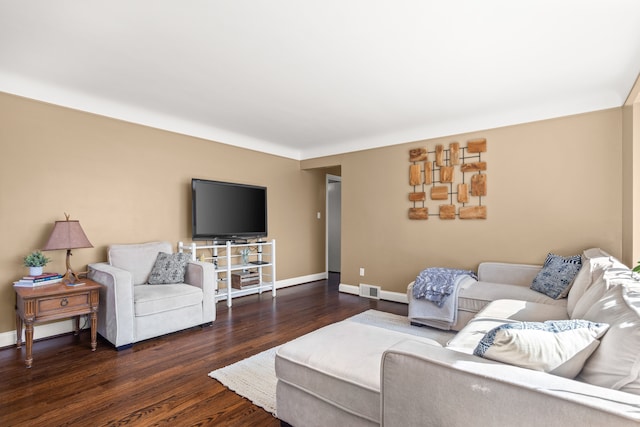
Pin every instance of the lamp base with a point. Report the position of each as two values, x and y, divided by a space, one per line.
70 278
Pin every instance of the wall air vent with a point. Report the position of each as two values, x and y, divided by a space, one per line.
369 291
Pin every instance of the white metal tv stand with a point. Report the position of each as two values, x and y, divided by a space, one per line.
236 275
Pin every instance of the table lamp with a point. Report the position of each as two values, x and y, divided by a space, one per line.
67 235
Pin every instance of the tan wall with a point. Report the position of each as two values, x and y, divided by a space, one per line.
553 185
130 183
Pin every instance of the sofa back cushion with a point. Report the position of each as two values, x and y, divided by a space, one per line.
616 362
508 273
606 278
594 260
138 259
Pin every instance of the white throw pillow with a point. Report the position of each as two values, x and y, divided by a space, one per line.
616 363
559 347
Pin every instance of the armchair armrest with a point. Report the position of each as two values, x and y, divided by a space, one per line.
508 273
116 314
202 275
422 384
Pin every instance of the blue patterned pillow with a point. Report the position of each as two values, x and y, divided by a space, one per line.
560 347
557 274
169 268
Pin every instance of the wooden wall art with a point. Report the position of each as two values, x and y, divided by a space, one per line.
448 182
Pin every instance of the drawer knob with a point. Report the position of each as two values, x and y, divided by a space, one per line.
64 302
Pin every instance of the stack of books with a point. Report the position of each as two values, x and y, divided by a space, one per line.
43 279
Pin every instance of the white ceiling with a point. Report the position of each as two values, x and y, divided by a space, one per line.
303 78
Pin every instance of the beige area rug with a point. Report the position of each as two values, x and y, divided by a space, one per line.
255 377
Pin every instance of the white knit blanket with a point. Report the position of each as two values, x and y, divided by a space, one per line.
427 313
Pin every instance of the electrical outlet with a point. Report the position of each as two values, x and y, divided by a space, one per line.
318 215
362 271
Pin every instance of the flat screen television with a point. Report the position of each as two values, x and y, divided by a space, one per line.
227 211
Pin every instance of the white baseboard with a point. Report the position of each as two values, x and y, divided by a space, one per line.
349 289
394 296
385 295
300 280
8 338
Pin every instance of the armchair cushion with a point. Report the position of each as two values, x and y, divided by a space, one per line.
152 299
168 268
137 258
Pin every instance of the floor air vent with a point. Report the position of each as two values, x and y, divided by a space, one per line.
369 291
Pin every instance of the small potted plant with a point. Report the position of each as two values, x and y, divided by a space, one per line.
35 261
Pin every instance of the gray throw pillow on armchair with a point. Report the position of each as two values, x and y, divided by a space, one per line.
169 268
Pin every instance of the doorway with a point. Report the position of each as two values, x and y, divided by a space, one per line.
333 215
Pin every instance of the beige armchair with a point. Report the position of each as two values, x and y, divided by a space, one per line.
132 310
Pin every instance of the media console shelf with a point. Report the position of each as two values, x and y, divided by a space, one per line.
236 278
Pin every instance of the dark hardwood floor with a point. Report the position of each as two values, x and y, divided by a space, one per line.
164 381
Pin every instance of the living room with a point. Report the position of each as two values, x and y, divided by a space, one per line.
561 183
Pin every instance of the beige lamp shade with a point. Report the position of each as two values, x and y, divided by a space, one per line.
67 235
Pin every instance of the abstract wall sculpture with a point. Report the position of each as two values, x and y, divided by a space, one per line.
448 182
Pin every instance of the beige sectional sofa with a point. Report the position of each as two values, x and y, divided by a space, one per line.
356 374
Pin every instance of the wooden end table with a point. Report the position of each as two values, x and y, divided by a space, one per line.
54 302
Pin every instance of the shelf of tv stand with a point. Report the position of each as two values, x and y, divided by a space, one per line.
250 266
227 264
221 293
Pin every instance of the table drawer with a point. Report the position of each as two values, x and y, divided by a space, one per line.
49 306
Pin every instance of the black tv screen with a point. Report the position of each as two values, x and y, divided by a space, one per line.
228 211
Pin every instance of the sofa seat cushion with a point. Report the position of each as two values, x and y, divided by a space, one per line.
340 364
475 298
500 312
152 299
523 311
